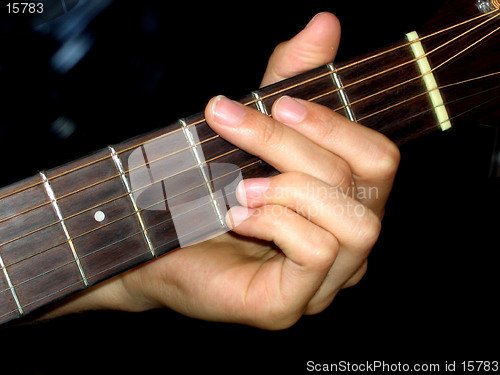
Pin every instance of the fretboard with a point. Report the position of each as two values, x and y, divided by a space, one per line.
71 227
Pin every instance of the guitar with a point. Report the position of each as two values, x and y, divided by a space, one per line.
73 226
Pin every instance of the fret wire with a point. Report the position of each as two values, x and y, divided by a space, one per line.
282 90
190 139
94 275
260 98
313 99
407 63
123 177
414 60
11 287
104 247
381 54
91 186
102 203
133 213
425 93
400 103
342 94
128 215
449 85
200 121
100 182
136 256
130 235
55 206
488 14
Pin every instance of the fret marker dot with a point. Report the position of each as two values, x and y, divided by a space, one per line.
99 216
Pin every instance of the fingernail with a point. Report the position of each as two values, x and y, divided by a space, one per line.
251 189
236 215
312 20
289 111
227 112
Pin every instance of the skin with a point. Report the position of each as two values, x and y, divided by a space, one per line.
298 238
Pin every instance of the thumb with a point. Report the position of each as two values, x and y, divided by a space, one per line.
315 45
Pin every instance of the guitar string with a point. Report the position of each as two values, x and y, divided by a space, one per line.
418 77
107 269
269 95
78 282
129 259
196 166
200 185
206 140
328 73
489 14
384 71
170 219
440 88
123 195
116 242
130 235
192 124
468 80
408 62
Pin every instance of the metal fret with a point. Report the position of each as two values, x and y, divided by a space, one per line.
11 287
259 103
55 206
342 94
123 177
200 160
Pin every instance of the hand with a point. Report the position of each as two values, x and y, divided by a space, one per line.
301 236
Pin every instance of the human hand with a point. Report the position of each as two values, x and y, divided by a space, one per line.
304 235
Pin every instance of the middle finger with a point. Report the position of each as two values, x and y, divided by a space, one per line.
281 146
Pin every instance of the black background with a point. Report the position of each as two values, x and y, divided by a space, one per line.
431 290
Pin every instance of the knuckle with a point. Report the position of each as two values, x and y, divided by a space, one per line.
340 175
368 231
280 48
324 250
270 135
387 162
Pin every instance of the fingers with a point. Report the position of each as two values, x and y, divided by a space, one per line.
372 158
308 253
279 145
306 245
314 225
353 224
316 45
307 137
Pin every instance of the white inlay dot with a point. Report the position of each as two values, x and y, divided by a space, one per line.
99 216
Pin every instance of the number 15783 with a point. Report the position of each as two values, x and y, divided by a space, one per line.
24 8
